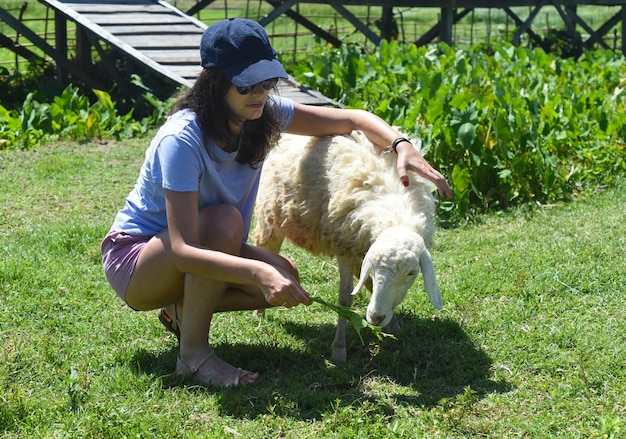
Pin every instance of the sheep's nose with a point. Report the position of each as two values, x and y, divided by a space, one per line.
376 319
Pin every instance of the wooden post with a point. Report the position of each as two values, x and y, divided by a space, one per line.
572 11
60 36
386 23
447 21
624 30
83 48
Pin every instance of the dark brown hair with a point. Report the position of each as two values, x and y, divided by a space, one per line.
207 99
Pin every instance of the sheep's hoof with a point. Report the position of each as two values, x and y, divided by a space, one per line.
393 327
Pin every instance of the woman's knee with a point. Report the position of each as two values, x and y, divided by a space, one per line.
268 256
289 266
221 228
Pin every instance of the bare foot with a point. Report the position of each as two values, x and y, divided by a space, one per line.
212 370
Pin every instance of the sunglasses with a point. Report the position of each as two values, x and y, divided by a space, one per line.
268 84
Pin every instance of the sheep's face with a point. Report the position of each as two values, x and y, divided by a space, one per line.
390 285
392 263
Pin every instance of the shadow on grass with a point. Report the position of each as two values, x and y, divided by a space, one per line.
431 360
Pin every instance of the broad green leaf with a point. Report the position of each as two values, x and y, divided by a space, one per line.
466 135
355 320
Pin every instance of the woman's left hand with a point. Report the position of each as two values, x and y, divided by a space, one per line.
409 159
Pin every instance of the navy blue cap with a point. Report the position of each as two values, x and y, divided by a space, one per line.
241 50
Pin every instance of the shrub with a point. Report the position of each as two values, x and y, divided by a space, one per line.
71 115
511 127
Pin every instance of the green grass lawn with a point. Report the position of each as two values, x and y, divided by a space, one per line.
531 341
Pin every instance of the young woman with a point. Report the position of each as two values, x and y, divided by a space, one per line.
179 243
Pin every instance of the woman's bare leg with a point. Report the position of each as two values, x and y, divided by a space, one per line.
157 283
201 300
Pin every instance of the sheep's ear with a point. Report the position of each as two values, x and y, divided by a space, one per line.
366 268
430 281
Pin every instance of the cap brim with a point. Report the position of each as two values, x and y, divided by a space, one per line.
244 75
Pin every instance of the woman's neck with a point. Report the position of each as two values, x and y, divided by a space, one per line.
232 143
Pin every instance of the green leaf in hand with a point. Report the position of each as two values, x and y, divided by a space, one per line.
357 322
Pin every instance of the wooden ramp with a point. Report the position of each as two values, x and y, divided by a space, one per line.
152 33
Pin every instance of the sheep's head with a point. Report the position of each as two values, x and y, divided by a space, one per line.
393 261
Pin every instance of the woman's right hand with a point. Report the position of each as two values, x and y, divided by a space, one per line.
281 289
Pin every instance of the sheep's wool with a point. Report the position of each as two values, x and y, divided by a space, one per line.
339 196
334 195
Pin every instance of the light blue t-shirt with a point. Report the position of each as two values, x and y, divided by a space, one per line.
179 160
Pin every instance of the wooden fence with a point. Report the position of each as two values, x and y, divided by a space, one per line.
481 25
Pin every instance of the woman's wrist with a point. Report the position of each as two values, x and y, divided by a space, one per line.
396 142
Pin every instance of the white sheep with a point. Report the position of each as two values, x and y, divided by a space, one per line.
340 196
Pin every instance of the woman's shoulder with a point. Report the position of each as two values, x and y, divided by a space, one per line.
182 118
281 102
284 108
180 123
180 128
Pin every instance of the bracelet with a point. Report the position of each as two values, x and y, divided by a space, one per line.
394 144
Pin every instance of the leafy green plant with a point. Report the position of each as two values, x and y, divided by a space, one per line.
508 127
71 115
511 127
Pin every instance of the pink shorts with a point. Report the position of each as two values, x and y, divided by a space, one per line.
119 256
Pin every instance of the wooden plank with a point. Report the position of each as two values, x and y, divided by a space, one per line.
17 48
201 4
286 88
525 27
174 56
123 6
199 23
188 72
129 29
108 8
290 88
111 2
155 41
164 42
519 22
114 41
133 18
306 98
356 22
304 22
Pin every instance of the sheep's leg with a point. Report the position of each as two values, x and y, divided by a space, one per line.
273 241
338 348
